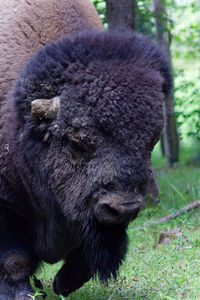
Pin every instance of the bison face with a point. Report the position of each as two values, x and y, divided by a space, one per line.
98 168
89 111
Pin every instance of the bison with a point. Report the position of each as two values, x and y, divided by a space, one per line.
76 144
76 140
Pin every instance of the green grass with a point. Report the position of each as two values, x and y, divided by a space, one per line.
166 272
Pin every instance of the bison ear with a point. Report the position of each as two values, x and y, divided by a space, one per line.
45 108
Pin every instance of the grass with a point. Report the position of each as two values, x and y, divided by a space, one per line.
166 272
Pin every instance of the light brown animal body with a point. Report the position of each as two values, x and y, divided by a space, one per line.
27 25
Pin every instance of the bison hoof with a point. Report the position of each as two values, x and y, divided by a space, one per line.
60 290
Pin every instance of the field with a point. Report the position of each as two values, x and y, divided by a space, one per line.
152 270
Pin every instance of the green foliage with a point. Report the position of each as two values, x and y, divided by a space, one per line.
186 31
186 58
101 8
144 18
187 91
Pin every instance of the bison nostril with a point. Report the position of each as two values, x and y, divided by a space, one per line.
110 210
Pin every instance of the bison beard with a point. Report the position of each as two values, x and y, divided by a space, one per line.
104 248
72 180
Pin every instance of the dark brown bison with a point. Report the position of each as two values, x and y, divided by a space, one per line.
76 145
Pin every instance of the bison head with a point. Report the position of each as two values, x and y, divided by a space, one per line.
89 111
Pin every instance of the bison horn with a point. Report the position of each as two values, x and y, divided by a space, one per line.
45 108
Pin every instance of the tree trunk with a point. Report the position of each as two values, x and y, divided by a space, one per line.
120 14
152 190
170 140
170 135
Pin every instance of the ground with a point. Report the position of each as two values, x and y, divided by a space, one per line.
170 271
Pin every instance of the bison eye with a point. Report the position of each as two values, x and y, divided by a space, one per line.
75 144
78 146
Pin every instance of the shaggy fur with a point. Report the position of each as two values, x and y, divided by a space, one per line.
111 88
28 25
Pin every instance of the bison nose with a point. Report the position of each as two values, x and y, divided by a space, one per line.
113 210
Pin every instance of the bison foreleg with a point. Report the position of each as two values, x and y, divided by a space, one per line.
72 275
17 260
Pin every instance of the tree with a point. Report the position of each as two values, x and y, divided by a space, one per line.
120 14
169 141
